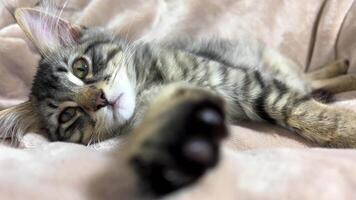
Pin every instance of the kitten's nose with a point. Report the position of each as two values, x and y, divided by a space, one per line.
101 100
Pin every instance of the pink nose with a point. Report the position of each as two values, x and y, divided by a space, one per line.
101 100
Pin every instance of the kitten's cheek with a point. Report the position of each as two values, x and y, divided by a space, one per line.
127 107
76 137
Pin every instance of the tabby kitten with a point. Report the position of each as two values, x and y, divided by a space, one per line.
91 85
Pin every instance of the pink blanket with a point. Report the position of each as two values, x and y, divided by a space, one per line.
265 162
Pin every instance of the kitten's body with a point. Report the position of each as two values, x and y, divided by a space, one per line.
261 85
217 65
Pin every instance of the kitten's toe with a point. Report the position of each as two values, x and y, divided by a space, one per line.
183 148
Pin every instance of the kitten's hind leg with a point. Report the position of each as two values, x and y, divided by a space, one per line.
336 85
174 146
317 122
331 79
328 126
275 102
331 70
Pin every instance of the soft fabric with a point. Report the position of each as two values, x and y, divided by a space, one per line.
265 162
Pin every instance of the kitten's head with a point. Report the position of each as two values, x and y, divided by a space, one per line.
84 87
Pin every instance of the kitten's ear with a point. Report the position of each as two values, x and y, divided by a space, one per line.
18 120
47 32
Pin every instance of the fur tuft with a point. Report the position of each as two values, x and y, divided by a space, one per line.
18 120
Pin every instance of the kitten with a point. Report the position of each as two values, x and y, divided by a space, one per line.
91 85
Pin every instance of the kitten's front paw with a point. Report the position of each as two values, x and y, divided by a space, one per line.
180 144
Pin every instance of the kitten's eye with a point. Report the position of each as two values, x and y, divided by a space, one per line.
67 114
80 68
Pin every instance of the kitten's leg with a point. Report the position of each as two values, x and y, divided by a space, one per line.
294 108
177 142
333 78
323 124
332 70
330 79
257 97
336 85
313 120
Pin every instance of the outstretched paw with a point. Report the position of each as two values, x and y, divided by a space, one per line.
180 143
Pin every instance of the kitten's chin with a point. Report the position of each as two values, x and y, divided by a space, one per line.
123 108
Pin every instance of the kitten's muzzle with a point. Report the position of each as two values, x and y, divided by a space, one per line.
92 99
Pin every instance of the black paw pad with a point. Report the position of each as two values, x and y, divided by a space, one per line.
186 146
198 151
